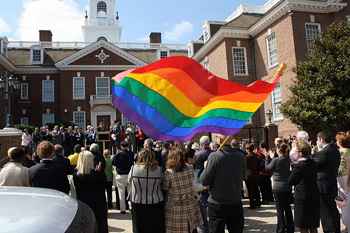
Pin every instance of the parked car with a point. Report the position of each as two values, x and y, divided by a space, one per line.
36 210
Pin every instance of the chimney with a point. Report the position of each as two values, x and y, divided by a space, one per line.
45 36
155 38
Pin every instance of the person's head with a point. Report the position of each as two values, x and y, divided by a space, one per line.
45 150
176 159
147 158
283 150
263 146
303 148
302 135
59 150
343 140
94 148
77 148
250 148
204 142
16 154
124 145
195 146
148 144
189 155
166 146
106 153
85 163
214 146
278 142
323 138
235 143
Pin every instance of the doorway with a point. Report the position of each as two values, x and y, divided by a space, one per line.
103 122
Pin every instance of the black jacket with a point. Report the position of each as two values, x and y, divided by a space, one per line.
90 189
64 163
328 161
199 159
47 174
123 162
303 177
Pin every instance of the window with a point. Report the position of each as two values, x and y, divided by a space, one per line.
24 91
272 55
312 33
48 118
79 119
190 50
206 35
276 103
239 57
78 88
48 91
163 54
101 6
37 56
24 121
102 87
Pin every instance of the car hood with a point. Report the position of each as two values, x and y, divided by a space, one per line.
35 210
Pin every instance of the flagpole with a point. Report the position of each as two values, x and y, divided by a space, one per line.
224 142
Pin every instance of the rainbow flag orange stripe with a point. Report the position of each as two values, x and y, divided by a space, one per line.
176 98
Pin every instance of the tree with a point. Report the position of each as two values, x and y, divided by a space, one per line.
321 94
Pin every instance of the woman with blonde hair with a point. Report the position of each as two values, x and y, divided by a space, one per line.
90 188
146 196
182 213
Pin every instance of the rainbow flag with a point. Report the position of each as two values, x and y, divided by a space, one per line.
176 98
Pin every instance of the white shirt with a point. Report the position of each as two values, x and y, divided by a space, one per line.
26 139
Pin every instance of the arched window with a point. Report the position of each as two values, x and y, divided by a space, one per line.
101 6
102 38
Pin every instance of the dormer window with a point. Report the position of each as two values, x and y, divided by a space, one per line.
163 54
101 8
190 50
37 55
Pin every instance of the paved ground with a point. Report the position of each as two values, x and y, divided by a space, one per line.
262 220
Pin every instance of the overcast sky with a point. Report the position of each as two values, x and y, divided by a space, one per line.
179 20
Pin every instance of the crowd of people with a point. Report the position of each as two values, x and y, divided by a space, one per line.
190 187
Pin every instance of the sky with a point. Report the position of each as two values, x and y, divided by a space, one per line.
180 21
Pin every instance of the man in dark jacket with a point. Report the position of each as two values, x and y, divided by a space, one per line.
62 161
47 174
328 160
223 175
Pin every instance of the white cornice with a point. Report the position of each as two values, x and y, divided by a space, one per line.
98 67
4 61
36 70
282 9
217 38
94 46
295 6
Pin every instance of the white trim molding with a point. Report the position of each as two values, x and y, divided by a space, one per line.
98 67
223 33
65 63
245 62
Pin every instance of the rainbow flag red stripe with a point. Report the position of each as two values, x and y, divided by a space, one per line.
176 98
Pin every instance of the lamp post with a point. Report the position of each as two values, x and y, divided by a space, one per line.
269 114
9 84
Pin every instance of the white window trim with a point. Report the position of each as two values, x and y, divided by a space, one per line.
163 50
274 118
312 24
245 62
109 87
24 97
74 94
42 91
41 55
271 66
206 29
74 120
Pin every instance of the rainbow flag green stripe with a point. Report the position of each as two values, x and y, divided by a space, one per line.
175 98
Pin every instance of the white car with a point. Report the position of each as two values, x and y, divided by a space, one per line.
36 210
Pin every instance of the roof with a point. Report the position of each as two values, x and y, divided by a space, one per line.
244 21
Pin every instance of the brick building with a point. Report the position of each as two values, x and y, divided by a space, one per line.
71 81
251 43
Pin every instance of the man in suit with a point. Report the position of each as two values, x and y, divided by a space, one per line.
328 160
47 173
62 161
